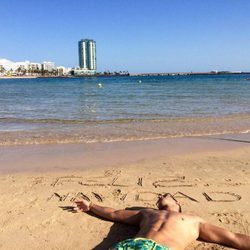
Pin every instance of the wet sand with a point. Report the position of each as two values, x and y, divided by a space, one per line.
209 176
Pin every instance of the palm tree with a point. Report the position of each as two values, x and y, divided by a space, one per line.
2 69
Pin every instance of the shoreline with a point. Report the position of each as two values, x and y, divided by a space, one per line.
18 77
60 131
133 75
79 156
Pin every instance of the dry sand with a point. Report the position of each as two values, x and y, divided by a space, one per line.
211 178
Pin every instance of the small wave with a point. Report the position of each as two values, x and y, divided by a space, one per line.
55 131
31 121
36 140
245 132
147 118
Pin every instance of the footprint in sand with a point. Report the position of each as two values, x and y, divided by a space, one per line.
235 219
230 182
36 181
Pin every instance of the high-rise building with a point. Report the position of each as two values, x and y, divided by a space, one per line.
87 54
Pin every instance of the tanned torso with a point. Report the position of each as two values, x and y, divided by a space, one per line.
171 229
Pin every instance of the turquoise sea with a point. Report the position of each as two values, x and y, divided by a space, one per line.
66 110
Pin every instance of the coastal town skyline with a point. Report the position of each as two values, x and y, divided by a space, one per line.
87 64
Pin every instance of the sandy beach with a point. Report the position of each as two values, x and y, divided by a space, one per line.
209 176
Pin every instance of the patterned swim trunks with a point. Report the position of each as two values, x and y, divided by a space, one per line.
138 244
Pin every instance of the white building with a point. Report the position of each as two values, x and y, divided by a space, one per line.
7 64
62 71
48 66
82 72
15 66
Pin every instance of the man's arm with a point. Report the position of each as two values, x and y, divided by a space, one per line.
131 217
213 234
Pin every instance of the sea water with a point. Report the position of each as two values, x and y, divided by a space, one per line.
69 110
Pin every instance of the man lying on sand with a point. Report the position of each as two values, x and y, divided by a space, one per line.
166 228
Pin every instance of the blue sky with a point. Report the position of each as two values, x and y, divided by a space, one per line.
134 35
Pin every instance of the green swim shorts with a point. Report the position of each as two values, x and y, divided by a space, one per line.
138 244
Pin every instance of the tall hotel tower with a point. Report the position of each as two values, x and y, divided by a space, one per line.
87 54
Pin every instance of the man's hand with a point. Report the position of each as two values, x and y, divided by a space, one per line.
131 217
83 205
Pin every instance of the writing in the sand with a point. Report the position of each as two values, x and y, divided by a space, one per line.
116 181
120 190
145 196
